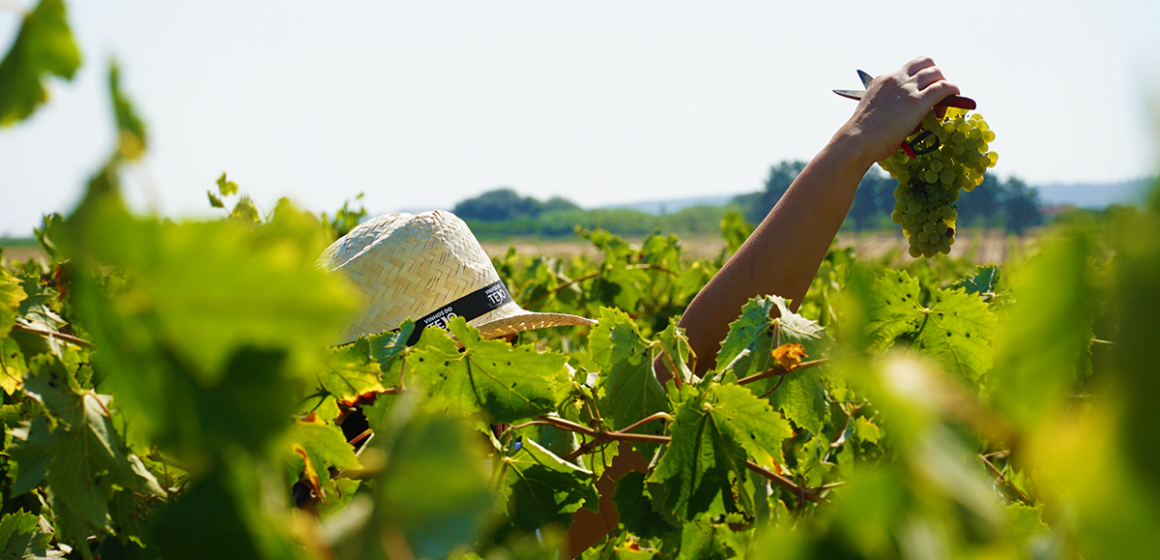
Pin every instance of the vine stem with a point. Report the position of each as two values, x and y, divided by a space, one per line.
594 275
49 334
646 420
1007 483
599 437
778 370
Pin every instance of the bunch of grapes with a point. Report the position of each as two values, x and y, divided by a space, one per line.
930 184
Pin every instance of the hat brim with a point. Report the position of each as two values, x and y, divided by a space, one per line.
527 321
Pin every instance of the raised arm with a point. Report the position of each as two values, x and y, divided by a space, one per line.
784 252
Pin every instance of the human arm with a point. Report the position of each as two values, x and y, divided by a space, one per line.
784 252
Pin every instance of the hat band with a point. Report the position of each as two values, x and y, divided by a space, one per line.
473 305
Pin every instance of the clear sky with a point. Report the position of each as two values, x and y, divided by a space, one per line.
422 104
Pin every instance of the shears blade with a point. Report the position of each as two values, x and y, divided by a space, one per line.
866 79
855 94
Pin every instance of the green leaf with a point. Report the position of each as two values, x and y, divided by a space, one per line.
132 139
1023 523
435 488
759 333
12 365
958 332
677 352
44 46
31 450
631 390
892 309
246 211
542 489
956 329
350 371
226 187
11 295
705 540
508 383
636 510
801 396
743 332
21 538
214 201
313 447
982 282
695 468
749 421
87 454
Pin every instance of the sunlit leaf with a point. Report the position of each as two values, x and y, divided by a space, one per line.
44 46
508 383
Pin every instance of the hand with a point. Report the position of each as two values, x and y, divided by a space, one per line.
894 104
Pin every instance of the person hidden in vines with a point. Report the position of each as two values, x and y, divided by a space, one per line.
430 267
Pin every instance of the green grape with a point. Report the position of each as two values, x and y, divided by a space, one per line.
896 217
923 236
936 165
941 227
928 227
908 219
914 251
930 176
914 206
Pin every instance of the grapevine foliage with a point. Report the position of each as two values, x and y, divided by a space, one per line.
172 390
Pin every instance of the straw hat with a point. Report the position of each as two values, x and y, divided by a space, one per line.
428 267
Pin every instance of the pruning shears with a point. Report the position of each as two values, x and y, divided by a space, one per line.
926 142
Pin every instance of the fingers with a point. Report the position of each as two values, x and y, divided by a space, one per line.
928 76
938 91
920 63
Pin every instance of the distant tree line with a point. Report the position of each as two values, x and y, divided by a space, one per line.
503 212
996 203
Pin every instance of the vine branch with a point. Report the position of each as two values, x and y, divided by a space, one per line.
778 370
50 334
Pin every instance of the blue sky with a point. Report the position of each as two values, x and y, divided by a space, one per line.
422 104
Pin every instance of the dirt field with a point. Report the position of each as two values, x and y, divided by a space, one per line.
979 246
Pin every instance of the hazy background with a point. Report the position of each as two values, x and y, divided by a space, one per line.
422 104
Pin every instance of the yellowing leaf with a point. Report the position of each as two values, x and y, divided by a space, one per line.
789 356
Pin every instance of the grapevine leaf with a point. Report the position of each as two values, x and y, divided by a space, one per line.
677 352
1056 305
507 383
317 447
31 449
867 431
631 389
246 211
37 310
982 282
542 489
230 525
225 186
705 540
750 421
802 397
696 465
44 45
635 508
11 295
794 328
21 538
893 309
745 330
350 371
389 345
132 138
955 330
600 337
957 333
214 201
87 457
1023 523
435 488
12 365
